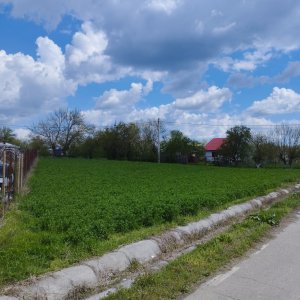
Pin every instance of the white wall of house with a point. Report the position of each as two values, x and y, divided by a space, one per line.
209 156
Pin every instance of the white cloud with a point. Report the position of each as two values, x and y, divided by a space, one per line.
281 101
85 44
50 54
205 101
251 60
86 58
167 6
200 125
123 99
22 133
29 87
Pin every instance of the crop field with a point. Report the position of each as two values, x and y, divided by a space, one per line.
79 208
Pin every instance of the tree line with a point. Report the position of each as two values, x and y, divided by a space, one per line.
66 133
281 145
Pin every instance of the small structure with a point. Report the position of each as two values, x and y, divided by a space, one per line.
212 147
9 154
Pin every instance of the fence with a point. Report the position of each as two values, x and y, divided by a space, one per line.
14 167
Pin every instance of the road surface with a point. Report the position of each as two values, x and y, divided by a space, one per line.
272 273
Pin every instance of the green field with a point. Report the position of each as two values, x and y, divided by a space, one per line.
79 208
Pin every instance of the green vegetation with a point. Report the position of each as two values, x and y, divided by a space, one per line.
179 276
80 208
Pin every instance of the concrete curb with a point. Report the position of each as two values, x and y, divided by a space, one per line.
92 273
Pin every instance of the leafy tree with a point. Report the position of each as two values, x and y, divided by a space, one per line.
179 148
36 143
121 141
64 128
90 148
8 136
237 146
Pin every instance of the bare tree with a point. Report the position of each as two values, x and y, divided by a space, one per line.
287 140
63 127
263 149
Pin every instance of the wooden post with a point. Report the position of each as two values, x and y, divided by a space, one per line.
158 140
16 174
21 171
3 181
3 174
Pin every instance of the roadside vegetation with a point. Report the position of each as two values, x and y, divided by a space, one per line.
78 208
180 276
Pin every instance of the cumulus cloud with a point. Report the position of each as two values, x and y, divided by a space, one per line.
250 61
280 101
201 126
29 86
116 105
86 58
205 101
117 100
22 133
86 44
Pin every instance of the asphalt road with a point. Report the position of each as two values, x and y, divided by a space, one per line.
272 273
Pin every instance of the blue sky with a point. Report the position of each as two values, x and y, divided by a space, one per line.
201 66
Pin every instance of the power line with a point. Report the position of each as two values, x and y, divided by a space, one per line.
227 125
173 123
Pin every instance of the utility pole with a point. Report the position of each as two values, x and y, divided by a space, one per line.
158 140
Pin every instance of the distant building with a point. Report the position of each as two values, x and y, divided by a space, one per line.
212 147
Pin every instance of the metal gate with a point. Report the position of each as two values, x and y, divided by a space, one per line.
10 172
14 166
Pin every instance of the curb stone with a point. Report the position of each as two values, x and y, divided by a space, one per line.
92 273
142 251
108 265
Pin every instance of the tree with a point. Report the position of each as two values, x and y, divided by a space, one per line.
237 145
8 136
261 148
148 141
36 143
179 148
152 133
121 141
287 140
64 128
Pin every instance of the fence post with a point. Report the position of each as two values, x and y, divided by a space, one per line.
21 170
17 171
3 181
3 174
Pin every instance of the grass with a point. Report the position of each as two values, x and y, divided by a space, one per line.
78 208
181 275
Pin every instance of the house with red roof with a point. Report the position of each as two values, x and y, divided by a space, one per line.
212 147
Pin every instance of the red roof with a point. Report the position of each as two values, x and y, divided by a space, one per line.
214 144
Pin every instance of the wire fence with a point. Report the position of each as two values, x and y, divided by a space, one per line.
14 168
